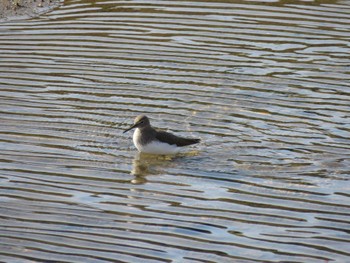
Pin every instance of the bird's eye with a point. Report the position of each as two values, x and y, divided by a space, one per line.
141 122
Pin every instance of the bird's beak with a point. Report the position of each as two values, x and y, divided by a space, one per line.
132 127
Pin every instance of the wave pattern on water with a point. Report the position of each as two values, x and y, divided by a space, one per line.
263 84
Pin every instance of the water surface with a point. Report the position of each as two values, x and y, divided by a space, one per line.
263 84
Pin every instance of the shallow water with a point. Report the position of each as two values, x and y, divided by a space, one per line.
265 85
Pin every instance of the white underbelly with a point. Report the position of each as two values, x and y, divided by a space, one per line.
154 147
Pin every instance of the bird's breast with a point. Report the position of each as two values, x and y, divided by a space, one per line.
136 138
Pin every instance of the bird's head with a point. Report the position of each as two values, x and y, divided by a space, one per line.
140 122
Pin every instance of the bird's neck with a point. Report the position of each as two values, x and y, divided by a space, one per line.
148 129
145 134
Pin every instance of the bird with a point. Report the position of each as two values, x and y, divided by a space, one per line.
149 140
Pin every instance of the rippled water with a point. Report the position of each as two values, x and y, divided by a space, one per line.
265 85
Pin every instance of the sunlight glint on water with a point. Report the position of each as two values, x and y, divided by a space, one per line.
263 84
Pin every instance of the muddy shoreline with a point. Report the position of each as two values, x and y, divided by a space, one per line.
24 9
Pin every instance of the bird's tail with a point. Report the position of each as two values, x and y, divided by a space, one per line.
186 141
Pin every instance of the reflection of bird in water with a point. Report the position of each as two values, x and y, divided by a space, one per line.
139 168
140 171
144 164
149 164
149 140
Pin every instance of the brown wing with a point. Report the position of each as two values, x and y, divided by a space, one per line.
173 139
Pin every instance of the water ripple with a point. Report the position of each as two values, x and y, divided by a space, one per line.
263 84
